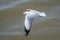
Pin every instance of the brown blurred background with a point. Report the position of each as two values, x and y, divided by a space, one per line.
44 28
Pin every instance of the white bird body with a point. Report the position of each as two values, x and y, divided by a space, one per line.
30 16
29 19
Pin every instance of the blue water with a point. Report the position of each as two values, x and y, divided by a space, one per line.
5 4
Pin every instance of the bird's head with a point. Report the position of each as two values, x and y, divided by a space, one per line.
27 11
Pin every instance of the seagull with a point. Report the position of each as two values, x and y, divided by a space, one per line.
30 15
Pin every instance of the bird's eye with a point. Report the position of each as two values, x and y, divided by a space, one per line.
28 10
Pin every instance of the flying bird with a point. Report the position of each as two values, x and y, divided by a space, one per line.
30 15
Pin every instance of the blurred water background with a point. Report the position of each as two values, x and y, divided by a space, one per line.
44 28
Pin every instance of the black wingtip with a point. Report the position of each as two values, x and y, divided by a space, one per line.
27 32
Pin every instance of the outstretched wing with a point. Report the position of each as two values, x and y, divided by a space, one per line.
28 23
27 27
